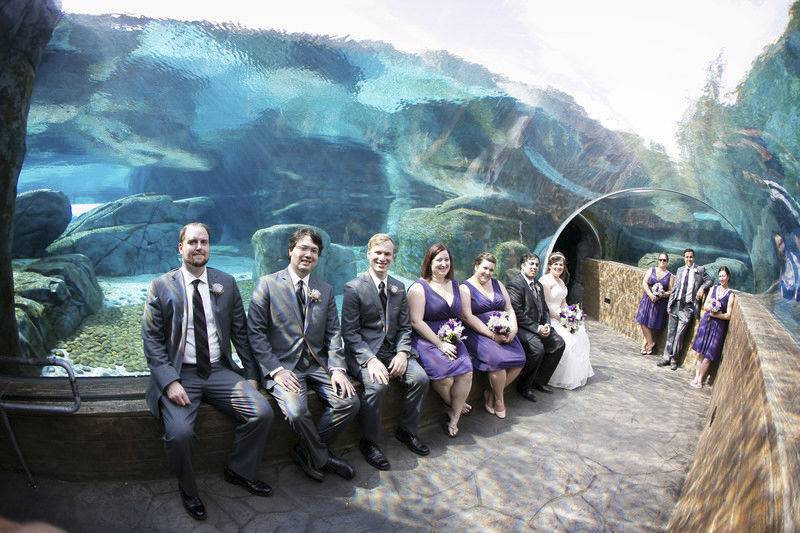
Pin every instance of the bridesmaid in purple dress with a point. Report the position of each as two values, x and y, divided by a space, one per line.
652 313
713 326
500 354
432 301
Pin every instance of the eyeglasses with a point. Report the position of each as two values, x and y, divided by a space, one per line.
661 259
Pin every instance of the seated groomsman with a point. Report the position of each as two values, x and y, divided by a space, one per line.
543 346
191 316
294 333
377 339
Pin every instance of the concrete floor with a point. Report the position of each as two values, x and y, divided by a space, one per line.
608 457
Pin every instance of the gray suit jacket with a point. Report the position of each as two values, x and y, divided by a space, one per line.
363 327
275 329
531 311
164 329
701 279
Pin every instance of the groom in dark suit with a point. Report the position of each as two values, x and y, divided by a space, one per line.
377 338
692 282
191 316
543 346
294 332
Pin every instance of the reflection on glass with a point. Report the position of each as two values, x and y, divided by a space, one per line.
143 125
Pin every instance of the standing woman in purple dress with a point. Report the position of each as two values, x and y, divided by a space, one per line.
713 326
497 351
434 302
651 316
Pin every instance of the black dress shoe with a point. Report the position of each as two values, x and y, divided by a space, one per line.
527 394
663 362
543 388
373 455
301 458
412 442
259 488
193 505
673 364
339 466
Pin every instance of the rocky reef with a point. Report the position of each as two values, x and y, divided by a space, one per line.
40 216
52 296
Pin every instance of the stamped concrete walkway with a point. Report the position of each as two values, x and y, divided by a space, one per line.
608 457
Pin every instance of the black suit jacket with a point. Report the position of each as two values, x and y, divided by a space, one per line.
363 327
164 329
531 312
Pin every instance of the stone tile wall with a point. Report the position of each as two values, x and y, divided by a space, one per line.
612 292
746 472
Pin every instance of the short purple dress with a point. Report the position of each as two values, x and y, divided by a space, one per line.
488 355
436 364
653 315
711 331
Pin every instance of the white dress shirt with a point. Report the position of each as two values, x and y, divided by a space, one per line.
189 355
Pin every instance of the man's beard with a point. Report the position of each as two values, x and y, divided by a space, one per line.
198 261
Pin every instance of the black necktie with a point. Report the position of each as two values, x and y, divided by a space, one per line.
384 298
201 350
301 300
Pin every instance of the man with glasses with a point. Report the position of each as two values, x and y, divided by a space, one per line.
691 283
293 327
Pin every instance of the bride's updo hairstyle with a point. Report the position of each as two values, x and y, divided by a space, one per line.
554 258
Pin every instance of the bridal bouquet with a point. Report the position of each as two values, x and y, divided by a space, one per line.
499 322
716 306
571 317
657 289
451 331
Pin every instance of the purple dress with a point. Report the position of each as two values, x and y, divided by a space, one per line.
711 332
436 364
653 315
488 355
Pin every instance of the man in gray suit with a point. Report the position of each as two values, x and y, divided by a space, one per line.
294 332
683 305
377 339
190 318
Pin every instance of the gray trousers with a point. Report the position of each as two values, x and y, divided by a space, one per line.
416 383
677 325
294 405
233 395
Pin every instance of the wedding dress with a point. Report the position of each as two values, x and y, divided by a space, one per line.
574 368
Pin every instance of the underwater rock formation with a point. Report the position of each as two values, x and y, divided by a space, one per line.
136 234
468 225
52 296
40 216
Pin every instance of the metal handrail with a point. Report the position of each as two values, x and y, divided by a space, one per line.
22 407
51 360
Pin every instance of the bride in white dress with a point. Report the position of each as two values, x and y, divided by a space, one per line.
574 368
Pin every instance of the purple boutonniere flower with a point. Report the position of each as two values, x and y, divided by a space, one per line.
314 295
217 289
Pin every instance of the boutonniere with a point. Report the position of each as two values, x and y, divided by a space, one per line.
314 295
217 289
393 289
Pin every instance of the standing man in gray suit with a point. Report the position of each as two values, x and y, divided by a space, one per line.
294 332
191 316
683 305
377 339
